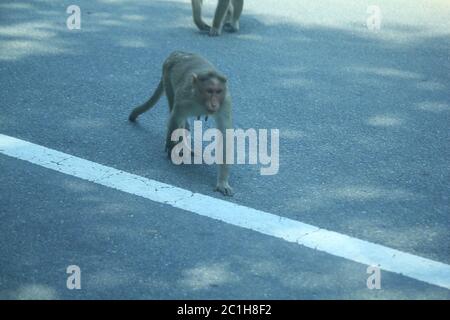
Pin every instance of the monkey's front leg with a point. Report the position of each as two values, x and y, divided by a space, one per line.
223 122
219 16
222 180
197 14
238 6
176 121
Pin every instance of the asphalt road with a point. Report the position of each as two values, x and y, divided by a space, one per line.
364 148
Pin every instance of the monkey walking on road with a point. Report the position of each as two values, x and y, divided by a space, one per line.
193 88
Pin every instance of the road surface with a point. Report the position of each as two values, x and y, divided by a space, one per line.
364 151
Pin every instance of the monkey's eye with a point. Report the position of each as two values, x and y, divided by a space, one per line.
219 91
210 91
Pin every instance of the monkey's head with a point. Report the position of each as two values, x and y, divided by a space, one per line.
211 89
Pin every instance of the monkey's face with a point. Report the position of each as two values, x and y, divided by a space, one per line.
211 92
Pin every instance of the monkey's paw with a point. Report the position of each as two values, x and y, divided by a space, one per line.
230 27
225 189
214 32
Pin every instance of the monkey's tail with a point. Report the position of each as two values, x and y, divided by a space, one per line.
148 104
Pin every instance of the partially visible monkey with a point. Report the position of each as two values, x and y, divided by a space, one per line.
193 88
227 16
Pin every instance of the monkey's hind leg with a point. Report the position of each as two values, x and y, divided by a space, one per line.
232 22
223 7
176 121
148 104
197 15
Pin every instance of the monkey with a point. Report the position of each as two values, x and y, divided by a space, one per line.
226 16
193 87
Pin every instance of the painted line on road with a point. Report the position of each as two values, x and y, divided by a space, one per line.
337 244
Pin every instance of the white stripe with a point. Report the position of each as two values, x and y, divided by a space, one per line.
341 245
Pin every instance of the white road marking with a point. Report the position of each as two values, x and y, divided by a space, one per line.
341 245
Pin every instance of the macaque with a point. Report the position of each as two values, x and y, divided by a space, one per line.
193 88
226 16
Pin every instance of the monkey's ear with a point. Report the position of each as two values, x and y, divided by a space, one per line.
222 78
